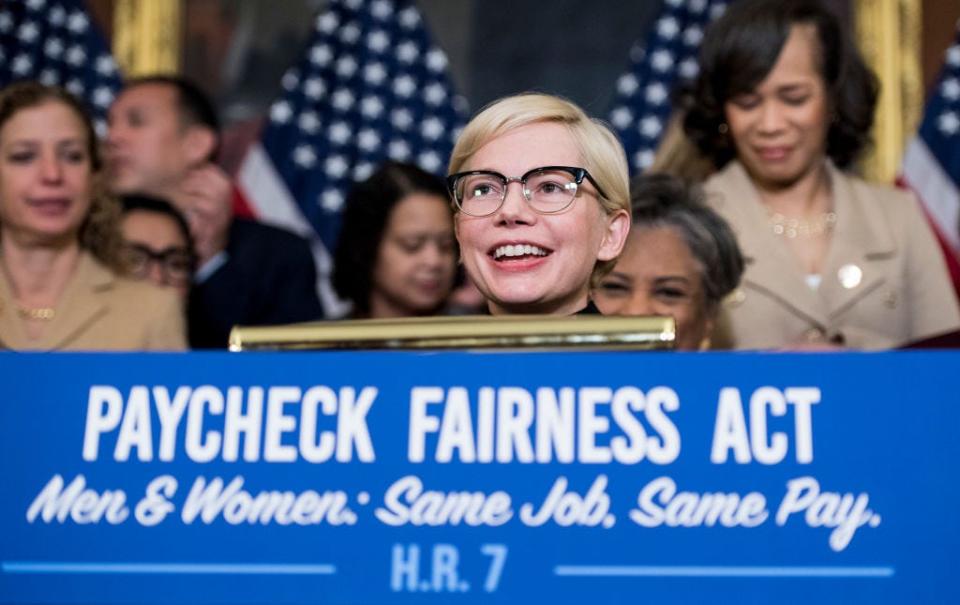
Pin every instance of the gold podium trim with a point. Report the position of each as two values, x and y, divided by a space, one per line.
471 332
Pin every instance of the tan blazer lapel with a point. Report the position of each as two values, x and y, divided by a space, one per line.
771 268
861 243
81 303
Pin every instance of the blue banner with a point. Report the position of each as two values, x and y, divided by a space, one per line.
390 478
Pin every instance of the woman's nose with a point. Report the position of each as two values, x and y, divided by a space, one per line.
771 117
156 274
52 168
515 208
433 255
639 304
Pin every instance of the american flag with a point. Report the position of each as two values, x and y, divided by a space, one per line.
56 43
370 86
665 58
931 165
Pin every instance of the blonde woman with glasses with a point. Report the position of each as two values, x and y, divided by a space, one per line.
543 205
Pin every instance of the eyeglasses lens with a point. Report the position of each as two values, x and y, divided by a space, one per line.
547 191
551 190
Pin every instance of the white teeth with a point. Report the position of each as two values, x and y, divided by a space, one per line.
518 250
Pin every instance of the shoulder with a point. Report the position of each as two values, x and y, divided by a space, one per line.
124 295
898 208
140 301
126 289
157 315
731 194
876 193
728 187
733 174
136 315
245 230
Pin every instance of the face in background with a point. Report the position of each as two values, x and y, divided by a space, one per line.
780 128
149 149
46 175
415 266
658 275
157 249
552 275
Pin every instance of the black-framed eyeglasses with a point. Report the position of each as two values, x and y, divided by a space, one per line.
548 189
176 263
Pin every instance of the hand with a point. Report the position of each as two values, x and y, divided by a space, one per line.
205 198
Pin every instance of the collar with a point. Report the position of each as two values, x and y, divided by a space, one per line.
590 309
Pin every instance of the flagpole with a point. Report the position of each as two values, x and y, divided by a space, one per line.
888 33
146 36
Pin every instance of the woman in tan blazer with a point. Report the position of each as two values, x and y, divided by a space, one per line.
61 284
782 104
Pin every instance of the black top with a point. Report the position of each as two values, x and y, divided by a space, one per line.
590 309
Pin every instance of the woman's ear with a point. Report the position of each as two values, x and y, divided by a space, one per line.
616 230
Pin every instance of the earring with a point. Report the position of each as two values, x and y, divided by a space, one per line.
723 128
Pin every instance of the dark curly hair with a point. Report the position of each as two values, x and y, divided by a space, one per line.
662 200
741 48
365 215
100 230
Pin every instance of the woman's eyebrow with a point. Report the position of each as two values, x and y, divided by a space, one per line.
794 86
681 278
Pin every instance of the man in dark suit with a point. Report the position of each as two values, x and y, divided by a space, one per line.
163 137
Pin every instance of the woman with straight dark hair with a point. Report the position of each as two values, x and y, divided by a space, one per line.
157 243
783 104
396 253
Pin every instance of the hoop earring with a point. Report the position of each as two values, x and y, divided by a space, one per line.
723 128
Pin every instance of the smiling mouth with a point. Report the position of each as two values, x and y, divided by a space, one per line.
518 252
774 153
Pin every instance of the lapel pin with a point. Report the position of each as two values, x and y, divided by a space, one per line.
850 276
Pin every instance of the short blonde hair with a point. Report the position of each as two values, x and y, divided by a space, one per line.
600 150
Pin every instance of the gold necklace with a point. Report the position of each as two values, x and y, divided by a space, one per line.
797 227
37 313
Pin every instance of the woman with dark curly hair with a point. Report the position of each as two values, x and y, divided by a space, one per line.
61 284
783 104
396 253
681 260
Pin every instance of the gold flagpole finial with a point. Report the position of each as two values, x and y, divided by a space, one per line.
146 36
